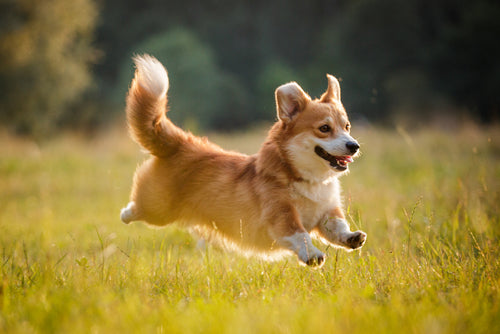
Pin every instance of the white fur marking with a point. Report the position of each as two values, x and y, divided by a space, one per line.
337 232
310 166
151 75
342 229
302 245
127 214
336 146
314 200
319 192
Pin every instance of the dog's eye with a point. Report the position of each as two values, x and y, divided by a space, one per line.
325 128
348 127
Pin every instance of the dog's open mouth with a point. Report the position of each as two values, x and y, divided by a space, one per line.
339 163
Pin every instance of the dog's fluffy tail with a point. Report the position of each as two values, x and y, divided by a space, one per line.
147 106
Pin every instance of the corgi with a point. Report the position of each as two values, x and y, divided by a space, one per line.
269 203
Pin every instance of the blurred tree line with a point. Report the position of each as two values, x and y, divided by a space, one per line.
68 63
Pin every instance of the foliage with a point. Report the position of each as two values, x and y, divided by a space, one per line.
45 53
409 60
428 201
464 61
396 59
199 91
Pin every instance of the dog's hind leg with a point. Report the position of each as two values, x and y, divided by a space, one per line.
129 213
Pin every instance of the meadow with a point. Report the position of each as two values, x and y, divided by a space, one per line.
429 200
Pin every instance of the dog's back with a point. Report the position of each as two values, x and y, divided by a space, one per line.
188 179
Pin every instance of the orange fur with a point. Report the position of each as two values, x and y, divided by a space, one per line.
266 202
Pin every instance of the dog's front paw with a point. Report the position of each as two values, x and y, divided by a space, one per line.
312 256
356 240
316 260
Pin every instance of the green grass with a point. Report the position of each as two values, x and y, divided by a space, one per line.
429 201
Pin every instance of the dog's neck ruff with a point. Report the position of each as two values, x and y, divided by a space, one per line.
320 193
292 173
295 176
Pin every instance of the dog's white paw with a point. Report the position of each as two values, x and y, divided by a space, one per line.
356 240
127 214
302 245
316 260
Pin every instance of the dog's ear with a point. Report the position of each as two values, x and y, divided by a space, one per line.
290 100
333 91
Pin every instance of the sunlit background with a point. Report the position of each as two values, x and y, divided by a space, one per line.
67 64
420 80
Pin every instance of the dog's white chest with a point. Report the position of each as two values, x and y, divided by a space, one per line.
314 200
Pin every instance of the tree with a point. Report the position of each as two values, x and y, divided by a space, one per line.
45 54
465 59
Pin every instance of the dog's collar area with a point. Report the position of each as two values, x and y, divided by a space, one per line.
339 163
290 170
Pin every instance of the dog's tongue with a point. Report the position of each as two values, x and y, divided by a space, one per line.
345 159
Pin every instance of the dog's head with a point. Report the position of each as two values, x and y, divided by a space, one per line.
316 133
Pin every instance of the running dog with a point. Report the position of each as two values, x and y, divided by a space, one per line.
265 203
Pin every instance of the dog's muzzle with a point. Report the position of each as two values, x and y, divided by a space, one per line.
337 162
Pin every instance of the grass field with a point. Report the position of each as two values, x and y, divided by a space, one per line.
429 201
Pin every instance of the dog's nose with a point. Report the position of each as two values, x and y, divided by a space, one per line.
352 146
